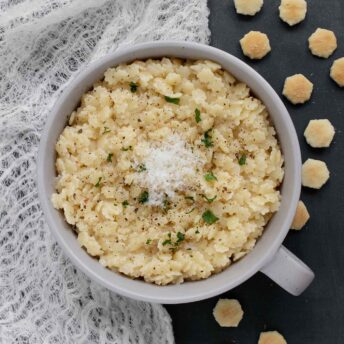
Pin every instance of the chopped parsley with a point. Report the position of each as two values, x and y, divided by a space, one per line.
207 139
167 242
148 241
180 237
141 168
106 130
144 197
209 200
109 157
172 100
209 217
189 212
125 204
98 182
242 160
133 86
210 176
126 149
197 115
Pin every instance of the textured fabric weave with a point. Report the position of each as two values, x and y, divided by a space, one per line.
43 44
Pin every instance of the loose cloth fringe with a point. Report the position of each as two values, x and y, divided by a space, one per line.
43 44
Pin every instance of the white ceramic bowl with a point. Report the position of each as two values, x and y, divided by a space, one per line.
267 256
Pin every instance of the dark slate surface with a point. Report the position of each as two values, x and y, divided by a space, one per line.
316 317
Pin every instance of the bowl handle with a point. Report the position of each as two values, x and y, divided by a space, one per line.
288 271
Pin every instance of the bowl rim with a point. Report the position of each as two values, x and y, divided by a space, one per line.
104 63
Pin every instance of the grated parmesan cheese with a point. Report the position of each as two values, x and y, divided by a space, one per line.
169 168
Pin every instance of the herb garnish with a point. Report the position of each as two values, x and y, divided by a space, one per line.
209 217
144 197
172 100
141 168
125 204
109 157
209 200
133 86
197 115
180 238
126 149
106 130
167 242
242 160
98 182
148 241
207 139
210 176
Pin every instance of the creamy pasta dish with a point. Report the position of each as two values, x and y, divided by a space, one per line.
169 170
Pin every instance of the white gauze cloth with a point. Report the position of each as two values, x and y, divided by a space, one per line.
43 44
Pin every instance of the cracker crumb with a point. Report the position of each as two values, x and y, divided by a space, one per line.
255 45
297 88
271 337
337 71
319 133
293 11
314 174
301 217
322 43
228 312
248 7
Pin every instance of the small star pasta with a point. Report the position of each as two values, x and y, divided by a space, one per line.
168 170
